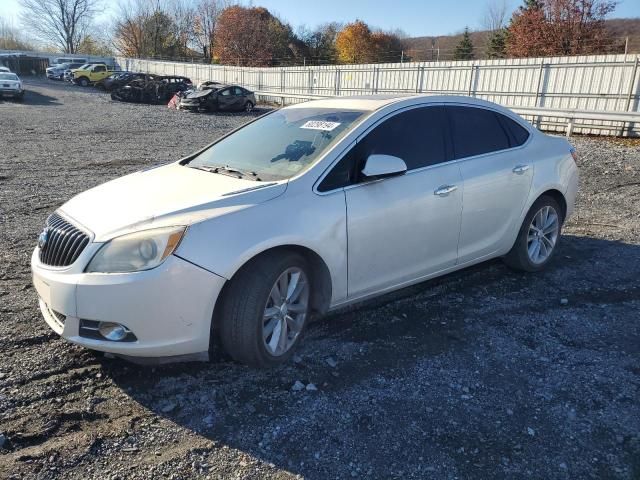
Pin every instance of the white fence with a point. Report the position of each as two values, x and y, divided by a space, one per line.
599 83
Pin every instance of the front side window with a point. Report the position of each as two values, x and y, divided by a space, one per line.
417 136
280 144
476 131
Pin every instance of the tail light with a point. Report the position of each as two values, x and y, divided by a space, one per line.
574 154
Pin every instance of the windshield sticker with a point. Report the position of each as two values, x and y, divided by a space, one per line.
320 125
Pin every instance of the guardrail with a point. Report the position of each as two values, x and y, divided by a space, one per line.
569 115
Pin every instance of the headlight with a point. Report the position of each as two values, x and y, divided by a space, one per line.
136 251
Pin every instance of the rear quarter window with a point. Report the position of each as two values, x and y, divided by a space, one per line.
476 131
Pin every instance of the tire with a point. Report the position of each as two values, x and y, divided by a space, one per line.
248 107
522 254
247 300
83 81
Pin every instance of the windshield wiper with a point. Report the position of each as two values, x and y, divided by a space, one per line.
229 171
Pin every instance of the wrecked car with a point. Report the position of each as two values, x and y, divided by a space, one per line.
213 97
151 89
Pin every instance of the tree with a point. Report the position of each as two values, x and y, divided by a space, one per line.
386 47
10 37
206 17
321 42
496 44
252 37
61 23
93 46
143 28
353 43
464 49
560 27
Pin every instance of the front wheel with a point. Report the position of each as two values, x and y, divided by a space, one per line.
83 82
538 237
265 309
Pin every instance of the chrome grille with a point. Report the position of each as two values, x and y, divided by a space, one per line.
64 242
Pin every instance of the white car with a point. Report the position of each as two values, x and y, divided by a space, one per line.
306 209
11 86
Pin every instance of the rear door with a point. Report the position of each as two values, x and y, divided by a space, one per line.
226 99
406 227
497 177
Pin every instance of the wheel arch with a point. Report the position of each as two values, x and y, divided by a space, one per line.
321 279
558 196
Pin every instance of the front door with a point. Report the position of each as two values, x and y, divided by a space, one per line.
403 228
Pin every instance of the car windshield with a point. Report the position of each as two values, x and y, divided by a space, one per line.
8 76
281 144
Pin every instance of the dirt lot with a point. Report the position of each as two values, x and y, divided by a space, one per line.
482 374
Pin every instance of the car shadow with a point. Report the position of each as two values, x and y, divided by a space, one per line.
32 97
358 356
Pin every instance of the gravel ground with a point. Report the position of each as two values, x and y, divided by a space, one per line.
481 374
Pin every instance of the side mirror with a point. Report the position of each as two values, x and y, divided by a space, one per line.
382 166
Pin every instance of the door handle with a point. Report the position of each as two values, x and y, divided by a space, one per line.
445 190
520 169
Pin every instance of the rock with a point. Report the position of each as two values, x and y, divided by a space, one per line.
297 386
531 431
331 362
564 301
311 387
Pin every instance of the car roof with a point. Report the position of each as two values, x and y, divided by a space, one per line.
376 102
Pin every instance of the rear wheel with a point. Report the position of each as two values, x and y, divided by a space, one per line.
265 309
538 236
248 107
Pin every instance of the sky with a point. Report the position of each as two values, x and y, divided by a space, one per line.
414 17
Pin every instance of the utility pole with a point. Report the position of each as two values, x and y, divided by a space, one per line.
402 57
626 45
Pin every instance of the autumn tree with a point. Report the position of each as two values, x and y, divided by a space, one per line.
353 43
560 27
252 36
59 23
464 49
356 43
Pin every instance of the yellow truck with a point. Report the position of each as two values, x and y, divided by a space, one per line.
96 72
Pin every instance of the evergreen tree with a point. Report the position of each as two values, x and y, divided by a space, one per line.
464 49
496 46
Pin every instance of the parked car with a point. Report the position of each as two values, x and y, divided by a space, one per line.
4 70
213 98
242 242
95 73
118 79
57 72
151 89
11 86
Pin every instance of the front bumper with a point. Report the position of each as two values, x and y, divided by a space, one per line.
10 92
168 308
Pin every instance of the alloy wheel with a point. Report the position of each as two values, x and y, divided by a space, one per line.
543 234
285 311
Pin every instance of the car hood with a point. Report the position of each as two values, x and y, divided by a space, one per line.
168 195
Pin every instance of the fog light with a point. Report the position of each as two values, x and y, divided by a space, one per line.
112 331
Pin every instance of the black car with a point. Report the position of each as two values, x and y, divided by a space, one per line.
216 97
120 79
151 89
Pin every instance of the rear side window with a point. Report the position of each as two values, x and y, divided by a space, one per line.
476 131
518 134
